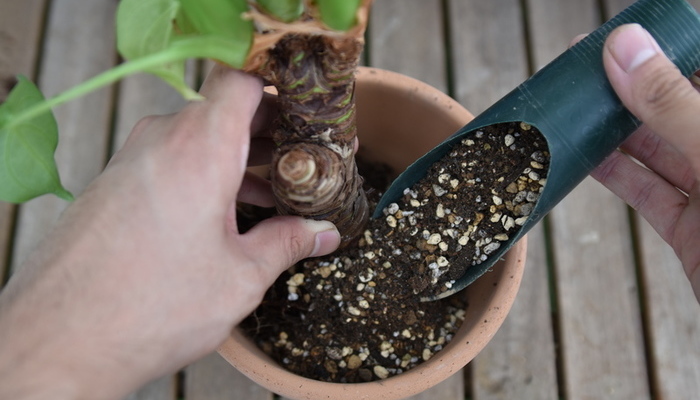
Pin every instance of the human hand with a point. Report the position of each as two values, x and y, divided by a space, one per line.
666 193
146 271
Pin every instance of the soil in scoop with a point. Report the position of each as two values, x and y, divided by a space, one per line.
356 315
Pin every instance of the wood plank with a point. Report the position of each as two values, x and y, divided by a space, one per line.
143 95
671 310
20 34
489 60
407 36
139 96
601 330
612 7
450 388
673 319
213 378
553 23
520 360
212 374
602 348
7 217
73 52
160 389
488 50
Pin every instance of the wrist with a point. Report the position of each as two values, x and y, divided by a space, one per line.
51 346
30 366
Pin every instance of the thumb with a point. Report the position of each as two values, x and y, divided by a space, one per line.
280 242
653 89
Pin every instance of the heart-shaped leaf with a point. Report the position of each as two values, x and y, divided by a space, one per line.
27 165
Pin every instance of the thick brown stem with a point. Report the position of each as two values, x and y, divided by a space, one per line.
314 173
313 181
313 68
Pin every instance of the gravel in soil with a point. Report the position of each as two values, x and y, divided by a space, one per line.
356 315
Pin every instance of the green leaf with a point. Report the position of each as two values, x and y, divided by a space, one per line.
338 14
210 46
145 27
27 165
284 10
183 23
28 131
147 37
222 18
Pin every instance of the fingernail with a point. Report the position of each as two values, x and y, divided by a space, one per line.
632 46
327 238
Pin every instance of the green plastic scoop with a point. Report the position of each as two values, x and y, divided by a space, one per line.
573 105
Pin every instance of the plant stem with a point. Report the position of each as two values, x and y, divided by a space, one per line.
195 47
314 172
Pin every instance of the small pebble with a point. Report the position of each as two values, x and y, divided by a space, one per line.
381 372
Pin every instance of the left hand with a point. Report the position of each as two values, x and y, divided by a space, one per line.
146 271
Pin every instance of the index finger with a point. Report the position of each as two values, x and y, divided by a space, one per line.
265 116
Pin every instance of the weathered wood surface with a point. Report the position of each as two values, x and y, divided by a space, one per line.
604 310
213 378
519 361
164 388
72 53
488 52
408 36
602 348
20 36
139 96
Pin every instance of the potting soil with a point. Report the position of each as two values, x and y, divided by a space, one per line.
356 315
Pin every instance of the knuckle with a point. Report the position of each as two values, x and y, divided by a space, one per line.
649 147
297 247
144 123
276 246
641 197
662 89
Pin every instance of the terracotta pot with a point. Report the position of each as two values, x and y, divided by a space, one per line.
400 119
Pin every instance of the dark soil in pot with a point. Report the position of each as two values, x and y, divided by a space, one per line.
356 315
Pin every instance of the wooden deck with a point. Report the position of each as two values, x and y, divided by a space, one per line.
604 311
